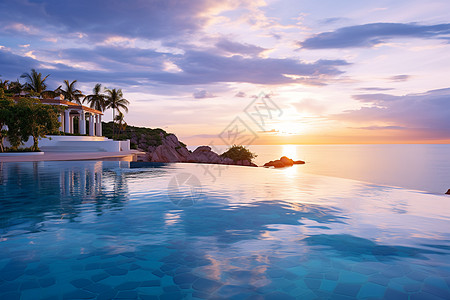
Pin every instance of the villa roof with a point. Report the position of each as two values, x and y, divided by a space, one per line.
68 104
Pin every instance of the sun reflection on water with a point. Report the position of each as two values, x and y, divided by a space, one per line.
291 152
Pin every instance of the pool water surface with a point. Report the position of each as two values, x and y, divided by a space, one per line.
124 230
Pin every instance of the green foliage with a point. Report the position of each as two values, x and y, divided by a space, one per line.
96 100
237 153
114 100
35 82
70 92
14 87
27 149
27 118
141 137
5 118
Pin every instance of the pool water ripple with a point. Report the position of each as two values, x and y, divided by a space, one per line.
112 230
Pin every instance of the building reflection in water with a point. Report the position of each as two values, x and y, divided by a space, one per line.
84 181
33 192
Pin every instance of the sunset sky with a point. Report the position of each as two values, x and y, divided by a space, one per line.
333 71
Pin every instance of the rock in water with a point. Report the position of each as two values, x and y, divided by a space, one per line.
286 161
448 192
283 162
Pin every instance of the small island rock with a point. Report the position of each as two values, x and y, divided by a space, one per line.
283 162
448 192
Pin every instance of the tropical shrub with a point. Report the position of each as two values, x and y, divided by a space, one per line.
237 153
24 119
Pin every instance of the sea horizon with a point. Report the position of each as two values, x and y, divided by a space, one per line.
421 167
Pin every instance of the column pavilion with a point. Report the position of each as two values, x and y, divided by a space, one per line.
73 110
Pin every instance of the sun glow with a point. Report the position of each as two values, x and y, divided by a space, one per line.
290 151
288 128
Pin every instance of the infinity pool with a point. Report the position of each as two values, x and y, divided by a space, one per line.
121 230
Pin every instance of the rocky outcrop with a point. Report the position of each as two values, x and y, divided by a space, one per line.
283 162
448 192
171 150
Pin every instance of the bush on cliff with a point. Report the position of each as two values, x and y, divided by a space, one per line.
237 153
140 137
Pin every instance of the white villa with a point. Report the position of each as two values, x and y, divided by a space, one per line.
90 137
76 110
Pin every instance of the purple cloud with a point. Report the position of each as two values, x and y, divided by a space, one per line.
101 18
428 112
369 35
399 78
238 48
202 94
134 66
377 89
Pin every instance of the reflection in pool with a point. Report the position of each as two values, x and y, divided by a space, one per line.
106 230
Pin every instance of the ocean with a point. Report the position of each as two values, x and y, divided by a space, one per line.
423 167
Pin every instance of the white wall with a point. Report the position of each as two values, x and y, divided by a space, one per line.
62 143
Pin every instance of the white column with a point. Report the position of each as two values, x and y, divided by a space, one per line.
82 123
67 121
99 126
96 124
60 122
91 125
71 125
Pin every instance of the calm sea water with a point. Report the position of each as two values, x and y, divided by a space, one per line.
418 167
121 230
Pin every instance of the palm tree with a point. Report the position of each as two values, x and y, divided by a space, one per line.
70 92
35 83
15 87
120 122
96 99
4 84
115 100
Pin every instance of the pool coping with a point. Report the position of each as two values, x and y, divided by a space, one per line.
57 156
9 154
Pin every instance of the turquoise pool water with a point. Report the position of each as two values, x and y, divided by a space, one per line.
121 230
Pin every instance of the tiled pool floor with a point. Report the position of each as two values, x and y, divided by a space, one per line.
108 230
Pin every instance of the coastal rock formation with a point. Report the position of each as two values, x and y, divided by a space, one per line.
171 150
448 192
283 162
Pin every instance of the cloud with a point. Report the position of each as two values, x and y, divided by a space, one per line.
428 112
19 28
375 98
399 78
238 48
240 94
203 67
309 106
145 66
100 18
12 65
375 89
202 94
329 21
380 128
370 35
